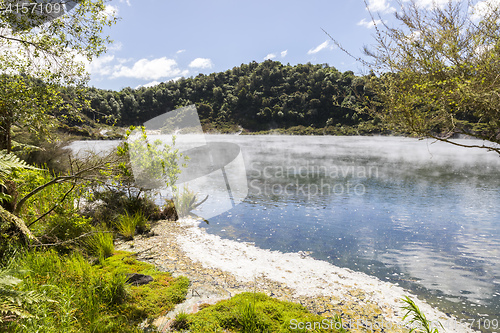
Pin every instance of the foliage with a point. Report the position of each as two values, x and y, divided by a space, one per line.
417 318
248 318
12 301
254 312
255 96
105 206
155 164
24 102
64 222
186 201
438 70
45 45
100 244
88 298
8 164
127 225
180 322
41 51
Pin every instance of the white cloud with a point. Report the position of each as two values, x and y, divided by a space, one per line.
175 79
110 11
320 47
180 51
100 66
116 46
126 1
431 3
483 8
414 36
284 53
150 69
270 56
369 24
147 85
381 6
201 63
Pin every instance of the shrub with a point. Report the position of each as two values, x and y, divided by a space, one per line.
185 202
106 205
100 245
180 322
126 225
61 220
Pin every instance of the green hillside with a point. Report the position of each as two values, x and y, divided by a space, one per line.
302 99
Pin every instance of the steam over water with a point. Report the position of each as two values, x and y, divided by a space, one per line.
420 214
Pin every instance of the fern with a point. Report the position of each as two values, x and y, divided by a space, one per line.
9 163
12 300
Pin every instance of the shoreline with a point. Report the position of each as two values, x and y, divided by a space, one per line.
220 268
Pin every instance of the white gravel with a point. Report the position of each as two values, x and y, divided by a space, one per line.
307 276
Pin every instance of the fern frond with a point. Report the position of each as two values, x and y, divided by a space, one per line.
10 162
12 300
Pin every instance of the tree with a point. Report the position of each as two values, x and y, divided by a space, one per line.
24 102
48 41
438 70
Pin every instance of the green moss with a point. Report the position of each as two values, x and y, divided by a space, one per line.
81 297
153 299
256 312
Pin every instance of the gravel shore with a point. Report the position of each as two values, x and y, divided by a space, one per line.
220 268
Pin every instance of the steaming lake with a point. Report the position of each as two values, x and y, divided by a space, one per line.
420 214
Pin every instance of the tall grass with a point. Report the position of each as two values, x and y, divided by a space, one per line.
248 319
185 202
127 224
83 298
417 320
100 245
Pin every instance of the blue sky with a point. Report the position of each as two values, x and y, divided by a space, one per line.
160 40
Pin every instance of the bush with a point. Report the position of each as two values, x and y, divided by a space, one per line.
127 224
62 220
100 245
107 205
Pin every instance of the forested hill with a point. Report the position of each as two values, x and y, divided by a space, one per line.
255 96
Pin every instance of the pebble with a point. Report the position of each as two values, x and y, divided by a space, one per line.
210 285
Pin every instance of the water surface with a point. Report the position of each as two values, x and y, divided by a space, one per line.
420 214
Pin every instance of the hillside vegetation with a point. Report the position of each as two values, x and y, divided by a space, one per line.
255 96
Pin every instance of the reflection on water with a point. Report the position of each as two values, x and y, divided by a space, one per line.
425 216
420 214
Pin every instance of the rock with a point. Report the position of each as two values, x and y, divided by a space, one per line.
136 279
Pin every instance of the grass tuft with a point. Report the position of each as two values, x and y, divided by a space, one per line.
417 320
255 312
127 225
100 245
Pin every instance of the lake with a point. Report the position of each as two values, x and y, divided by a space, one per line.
421 214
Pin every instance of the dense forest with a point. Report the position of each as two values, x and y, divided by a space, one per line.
256 97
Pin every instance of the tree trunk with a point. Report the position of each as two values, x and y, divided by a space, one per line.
12 225
5 135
